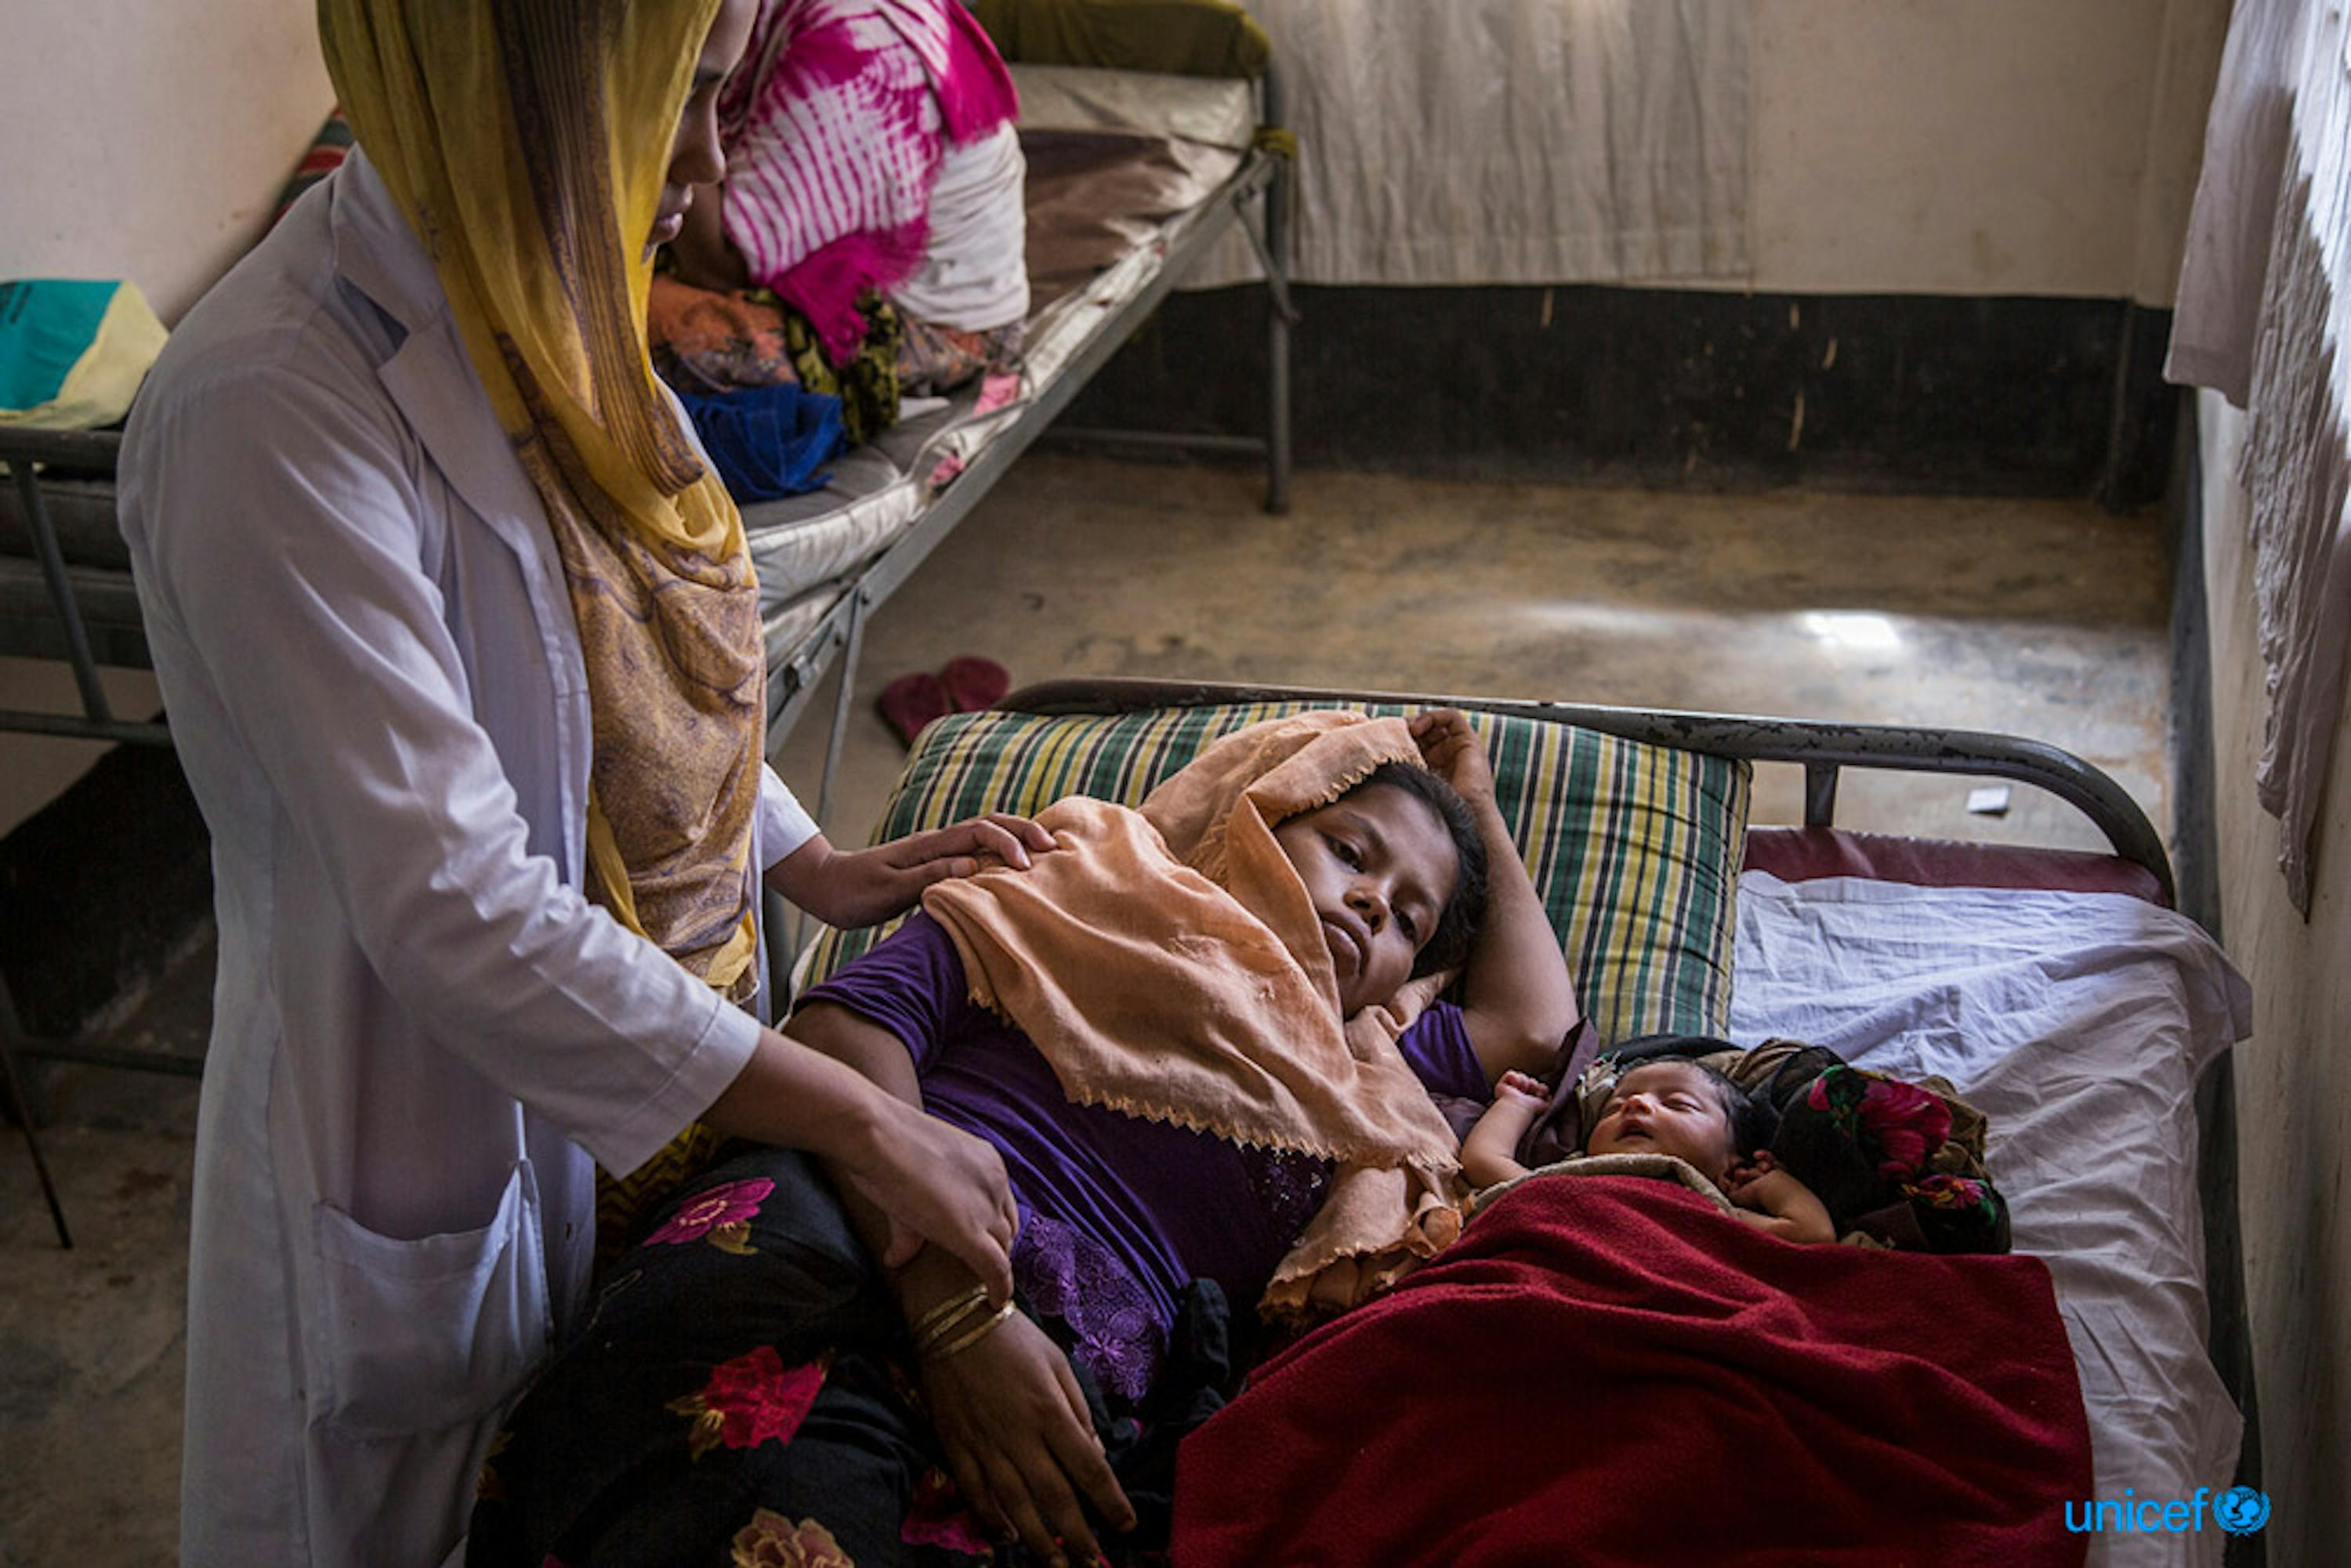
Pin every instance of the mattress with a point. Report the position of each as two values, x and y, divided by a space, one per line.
2078 1022
1120 164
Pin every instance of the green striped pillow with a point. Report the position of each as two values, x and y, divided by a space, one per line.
1633 847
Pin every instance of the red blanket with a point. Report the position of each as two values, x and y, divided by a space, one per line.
1608 1370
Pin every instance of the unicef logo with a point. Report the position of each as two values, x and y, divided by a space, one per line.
2241 1510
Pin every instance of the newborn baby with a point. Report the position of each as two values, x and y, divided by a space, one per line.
1674 1106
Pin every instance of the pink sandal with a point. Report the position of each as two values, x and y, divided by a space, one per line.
911 702
974 682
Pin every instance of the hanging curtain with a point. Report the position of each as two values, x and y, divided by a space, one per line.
1477 141
2264 317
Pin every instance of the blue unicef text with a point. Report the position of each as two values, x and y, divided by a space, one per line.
2239 1510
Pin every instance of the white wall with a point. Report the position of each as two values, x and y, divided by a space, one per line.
1935 146
146 140
1977 146
143 140
2294 1076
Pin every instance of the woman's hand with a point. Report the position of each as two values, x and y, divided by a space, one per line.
1014 1424
1454 753
849 888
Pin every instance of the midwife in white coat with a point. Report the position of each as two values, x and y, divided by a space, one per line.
461 647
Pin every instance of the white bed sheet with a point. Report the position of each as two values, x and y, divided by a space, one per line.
2079 1023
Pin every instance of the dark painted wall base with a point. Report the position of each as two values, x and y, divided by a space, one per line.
1671 387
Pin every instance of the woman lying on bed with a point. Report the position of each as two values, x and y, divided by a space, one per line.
1201 1036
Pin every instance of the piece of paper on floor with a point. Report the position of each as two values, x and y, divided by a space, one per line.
1990 801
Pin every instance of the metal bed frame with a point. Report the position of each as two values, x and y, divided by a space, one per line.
50 586
1823 751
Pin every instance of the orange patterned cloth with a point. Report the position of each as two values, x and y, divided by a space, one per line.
709 340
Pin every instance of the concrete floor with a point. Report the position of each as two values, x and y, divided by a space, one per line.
2045 618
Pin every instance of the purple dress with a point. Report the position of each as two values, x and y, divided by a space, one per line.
1118 1215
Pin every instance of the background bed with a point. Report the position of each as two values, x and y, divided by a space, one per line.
1133 175
1138 174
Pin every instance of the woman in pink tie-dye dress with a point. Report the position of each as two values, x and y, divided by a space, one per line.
871 153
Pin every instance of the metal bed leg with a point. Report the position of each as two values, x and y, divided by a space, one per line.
836 732
21 1107
61 594
1820 794
1279 314
838 735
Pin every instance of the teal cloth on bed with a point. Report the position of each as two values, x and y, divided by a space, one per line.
47 325
73 352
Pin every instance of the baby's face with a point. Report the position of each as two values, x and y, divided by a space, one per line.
1666 1108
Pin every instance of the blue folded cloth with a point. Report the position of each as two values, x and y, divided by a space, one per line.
768 441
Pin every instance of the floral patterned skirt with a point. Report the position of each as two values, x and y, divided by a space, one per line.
742 1394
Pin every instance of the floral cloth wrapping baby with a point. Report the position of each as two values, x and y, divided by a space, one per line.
1896 1163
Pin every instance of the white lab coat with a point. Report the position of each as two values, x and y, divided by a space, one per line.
422 1031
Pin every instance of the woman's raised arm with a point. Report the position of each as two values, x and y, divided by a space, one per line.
1518 999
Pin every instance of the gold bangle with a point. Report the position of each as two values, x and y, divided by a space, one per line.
954 1325
954 1307
970 1337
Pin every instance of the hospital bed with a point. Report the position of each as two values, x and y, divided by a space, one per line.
2057 989
1133 177
1671 907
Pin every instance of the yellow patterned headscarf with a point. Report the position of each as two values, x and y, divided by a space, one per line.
527 142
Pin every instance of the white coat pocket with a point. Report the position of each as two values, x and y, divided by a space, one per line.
424 1335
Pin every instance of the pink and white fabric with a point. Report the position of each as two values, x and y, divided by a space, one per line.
836 124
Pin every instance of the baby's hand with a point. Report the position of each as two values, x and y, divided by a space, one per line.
1453 752
1517 1087
1750 1182
1773 1198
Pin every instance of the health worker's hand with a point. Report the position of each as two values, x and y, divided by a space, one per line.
936 1184
849 888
